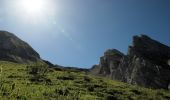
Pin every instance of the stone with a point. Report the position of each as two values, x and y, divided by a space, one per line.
14 49
146 64
108 64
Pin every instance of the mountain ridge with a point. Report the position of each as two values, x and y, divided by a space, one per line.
16 50
146 64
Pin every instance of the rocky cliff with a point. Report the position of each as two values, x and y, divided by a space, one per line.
146 64
14 49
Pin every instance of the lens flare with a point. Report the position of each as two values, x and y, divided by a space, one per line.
32 6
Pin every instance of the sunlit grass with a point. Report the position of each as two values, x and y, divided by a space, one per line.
68 85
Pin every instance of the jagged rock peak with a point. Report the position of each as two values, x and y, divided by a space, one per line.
144 41
14 49
112 52
150 49
108 63
146 64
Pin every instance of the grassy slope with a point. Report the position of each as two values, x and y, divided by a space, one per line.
67 85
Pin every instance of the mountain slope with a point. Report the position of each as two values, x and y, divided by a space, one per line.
17 83
22 78
14 49
146 64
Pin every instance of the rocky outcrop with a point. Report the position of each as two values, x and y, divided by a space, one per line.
14 49
110 65
146 64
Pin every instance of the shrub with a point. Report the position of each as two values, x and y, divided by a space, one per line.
63 91
38 72
90 88
87 79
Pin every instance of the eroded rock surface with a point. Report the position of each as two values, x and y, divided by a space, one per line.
146 64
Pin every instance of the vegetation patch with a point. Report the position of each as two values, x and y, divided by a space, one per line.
39 82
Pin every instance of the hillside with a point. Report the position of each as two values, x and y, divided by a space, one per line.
25 76
21 82
16 50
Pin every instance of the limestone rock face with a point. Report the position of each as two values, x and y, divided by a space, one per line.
109 63
95 70
14 49
148 61
146 64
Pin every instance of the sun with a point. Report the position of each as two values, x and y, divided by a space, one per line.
34 11
32 6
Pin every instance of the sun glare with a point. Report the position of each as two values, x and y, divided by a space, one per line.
32 6
34 11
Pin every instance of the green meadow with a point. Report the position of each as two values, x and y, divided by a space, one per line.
39 82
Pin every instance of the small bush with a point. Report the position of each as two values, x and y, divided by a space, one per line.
87 79
90 88
63 91
48 82
38 72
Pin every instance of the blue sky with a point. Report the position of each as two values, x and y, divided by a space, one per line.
77 32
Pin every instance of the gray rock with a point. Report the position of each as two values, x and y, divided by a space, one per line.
94 70
146 64
108 64
149 60
14 49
